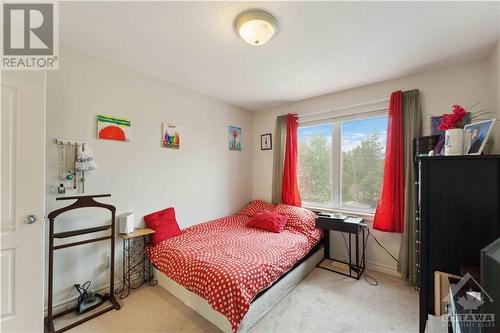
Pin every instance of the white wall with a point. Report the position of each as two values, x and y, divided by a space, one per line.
203 180
494 69
464 84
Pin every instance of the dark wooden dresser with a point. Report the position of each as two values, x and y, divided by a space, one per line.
459 214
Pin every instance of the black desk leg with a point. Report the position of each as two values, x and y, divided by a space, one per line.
357 256
363 255
359 266
350 257
326 255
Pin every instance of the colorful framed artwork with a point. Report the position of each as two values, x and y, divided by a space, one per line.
234 138
266 142
435 122
113 128
170 136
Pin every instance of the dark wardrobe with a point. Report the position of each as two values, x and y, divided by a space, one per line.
459 214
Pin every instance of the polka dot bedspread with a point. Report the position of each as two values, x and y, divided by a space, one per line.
228 263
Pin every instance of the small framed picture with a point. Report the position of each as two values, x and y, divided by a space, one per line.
234 138
476 136
266 142
170 136
435 122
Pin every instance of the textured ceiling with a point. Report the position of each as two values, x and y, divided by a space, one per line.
320 47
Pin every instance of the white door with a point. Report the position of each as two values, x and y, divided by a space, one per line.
22 169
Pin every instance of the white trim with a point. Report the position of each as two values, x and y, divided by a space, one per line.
336 159
383 269
336 166
346 107
338 118
71 302
373 266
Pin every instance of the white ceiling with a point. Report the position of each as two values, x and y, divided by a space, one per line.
320 47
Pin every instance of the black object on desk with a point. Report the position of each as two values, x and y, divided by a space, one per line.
352 226
137 269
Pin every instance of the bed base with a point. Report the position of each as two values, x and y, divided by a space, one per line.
259 307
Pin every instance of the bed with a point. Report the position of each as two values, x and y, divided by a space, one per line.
233 274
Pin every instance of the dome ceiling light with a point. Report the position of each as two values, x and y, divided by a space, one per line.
256 27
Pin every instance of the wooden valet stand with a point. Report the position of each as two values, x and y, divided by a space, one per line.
86 201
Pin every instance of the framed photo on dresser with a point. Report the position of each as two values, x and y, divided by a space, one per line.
476 136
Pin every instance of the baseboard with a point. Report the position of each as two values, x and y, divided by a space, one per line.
383 269
71 303
377 267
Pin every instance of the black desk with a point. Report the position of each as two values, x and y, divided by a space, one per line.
351 226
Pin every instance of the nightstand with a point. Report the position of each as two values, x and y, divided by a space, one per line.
137 269
352 226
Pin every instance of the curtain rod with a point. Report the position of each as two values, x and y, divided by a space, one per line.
286 115
344 108
371 113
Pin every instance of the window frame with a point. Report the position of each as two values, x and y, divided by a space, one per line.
336 161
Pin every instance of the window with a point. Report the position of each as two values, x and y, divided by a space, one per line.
315 164
341 163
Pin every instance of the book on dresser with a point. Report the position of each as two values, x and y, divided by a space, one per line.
458 215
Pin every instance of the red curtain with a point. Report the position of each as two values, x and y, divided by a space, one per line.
390 209
290 186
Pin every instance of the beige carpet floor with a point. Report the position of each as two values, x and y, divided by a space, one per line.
323 302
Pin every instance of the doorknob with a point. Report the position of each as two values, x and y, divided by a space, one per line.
29 219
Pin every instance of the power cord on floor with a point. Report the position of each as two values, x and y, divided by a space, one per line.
367 277
376 240
374 281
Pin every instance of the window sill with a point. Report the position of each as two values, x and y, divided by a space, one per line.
368 217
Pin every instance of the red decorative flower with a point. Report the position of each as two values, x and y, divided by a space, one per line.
454 119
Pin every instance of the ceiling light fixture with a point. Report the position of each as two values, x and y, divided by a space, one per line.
256 27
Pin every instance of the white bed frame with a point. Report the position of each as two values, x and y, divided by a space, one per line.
258 308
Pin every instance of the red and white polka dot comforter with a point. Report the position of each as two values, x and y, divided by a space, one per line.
228 263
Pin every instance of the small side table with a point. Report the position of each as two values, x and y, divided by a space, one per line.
137 269
351 226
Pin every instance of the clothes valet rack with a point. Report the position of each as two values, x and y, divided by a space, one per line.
86 201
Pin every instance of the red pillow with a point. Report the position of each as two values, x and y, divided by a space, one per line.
268 220
256 206
164 224
299 218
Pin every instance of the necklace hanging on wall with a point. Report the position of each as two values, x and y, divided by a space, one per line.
61 189
74 157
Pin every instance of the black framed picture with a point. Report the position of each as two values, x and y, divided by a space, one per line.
266 142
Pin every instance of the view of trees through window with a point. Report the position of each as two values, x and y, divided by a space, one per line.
363 150
315 159
361 146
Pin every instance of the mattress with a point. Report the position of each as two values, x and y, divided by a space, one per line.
258 308
228 264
